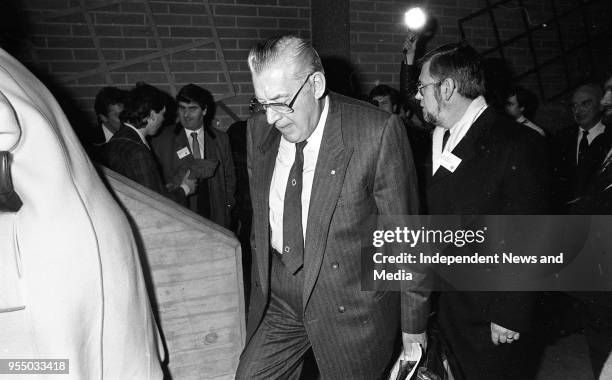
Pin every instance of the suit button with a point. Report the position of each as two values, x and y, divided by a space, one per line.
335 265
341 309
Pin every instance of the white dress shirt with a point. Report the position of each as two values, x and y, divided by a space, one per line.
526 122
457 131
107 133
282 167
200 133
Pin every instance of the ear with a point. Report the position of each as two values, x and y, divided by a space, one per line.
204 110
447 89
151 118
318 84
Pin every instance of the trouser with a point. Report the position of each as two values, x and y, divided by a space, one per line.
277 349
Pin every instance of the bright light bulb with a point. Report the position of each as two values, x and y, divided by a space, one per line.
415 18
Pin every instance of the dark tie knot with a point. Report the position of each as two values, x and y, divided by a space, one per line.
194 135
299 147
585 133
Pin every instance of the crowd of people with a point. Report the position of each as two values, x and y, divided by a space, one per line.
321 163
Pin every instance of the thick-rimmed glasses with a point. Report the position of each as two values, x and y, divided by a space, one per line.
421 86
256 106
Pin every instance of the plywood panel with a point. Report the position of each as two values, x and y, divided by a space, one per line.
195 267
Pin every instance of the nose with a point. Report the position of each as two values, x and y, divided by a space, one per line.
272 116
418 95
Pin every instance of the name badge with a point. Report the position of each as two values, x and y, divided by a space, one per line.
449 161
183 152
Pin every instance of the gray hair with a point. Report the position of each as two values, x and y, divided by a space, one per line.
291 49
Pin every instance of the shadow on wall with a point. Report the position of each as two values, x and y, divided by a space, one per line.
15 27
342 77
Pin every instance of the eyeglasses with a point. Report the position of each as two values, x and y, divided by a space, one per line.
582 105
256 106
421 86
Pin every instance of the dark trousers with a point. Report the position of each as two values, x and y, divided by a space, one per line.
277 349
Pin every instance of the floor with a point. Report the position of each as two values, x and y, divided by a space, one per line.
566 359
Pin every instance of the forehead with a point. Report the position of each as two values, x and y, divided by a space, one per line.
425 76
512 99
274 82
608 84
583 95
188 105
381 98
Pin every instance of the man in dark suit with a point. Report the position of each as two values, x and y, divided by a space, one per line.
596 199
582 147
482 163
319 165
194 145
107 105
128 152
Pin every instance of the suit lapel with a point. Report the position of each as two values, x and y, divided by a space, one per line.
329 175
180 141
465 150
263 168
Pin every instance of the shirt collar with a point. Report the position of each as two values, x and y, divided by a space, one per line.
199 131
140 133
460 128
107 132
597 130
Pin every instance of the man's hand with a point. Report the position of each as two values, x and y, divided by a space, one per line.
409 47
188 184
502 335
414 345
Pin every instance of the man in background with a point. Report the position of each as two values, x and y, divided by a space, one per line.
107 105
521 105
194 145
582 147
128 151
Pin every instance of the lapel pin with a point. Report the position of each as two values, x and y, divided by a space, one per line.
333 172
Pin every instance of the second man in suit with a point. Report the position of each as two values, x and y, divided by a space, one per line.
482 163
194 145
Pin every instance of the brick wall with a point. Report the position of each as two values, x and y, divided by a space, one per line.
377 34
60 47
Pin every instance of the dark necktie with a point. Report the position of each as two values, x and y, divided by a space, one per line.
195 150
202 199
445 138
583 147
293 238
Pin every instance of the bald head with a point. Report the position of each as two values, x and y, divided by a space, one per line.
585 105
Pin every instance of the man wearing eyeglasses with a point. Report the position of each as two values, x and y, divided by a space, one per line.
583 146
481 164
319 165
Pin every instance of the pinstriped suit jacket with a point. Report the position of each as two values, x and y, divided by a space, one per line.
364 167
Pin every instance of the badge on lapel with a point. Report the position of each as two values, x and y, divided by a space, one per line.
181 153
449 161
